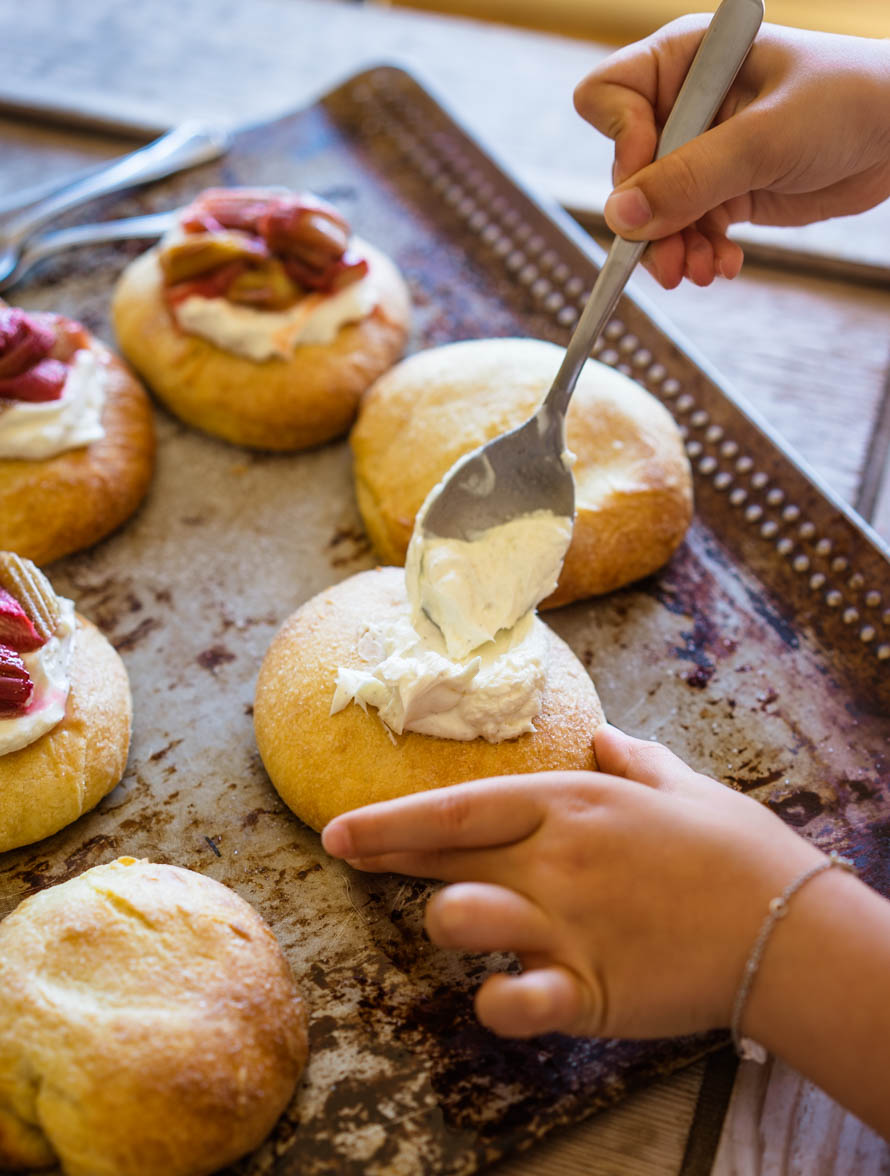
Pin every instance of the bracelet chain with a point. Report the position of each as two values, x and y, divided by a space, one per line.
747 1049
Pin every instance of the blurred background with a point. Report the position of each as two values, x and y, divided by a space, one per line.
606 20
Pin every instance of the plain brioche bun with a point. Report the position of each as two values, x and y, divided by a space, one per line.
633 485
277 404
323 764
149 1025
67 771
56 505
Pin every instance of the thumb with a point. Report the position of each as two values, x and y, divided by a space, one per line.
674 192
645 762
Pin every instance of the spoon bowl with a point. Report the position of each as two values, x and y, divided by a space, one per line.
510 476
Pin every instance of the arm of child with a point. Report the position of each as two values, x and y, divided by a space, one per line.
632 897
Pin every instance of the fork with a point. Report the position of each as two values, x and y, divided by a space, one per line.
129 228
187 145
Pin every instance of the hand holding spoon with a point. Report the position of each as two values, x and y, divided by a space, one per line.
526 471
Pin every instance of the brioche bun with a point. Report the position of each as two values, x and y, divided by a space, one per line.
279 404
323 764
633 484
57 505
149 1025
66 772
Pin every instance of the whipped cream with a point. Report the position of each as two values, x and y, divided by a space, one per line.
267 334
473 589
37 430
49 667
416 686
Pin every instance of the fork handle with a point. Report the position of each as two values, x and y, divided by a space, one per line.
132 228
185 146
724 47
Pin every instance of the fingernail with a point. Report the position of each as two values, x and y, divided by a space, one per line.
628 210
539 1001
614 730
653 269
336 840
730 268
611 732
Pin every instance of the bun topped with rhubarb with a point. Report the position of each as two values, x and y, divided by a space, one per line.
64 708
76 436
260 318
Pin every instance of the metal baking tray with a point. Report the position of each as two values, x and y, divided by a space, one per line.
761 653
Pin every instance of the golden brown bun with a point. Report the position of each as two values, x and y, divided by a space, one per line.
633 485
274 404
149 1025
51 782
61 504
324 764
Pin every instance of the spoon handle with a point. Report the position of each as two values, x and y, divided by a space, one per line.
724 47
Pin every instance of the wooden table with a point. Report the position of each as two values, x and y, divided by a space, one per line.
619 23
809 352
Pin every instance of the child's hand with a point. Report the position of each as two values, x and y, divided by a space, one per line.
803 135
631 898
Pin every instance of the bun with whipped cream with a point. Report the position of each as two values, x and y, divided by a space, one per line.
633 484
261 319
76 436
149 1023
65 709
419 720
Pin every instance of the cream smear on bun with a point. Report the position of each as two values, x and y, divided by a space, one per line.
469 657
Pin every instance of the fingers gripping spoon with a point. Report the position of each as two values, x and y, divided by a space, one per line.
525 473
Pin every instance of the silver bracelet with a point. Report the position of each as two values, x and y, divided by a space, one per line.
747 1049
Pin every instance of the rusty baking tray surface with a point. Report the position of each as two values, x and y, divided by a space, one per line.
761 653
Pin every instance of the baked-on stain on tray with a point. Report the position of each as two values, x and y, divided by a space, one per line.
761 653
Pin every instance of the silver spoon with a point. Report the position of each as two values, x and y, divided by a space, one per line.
526 470
185 146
